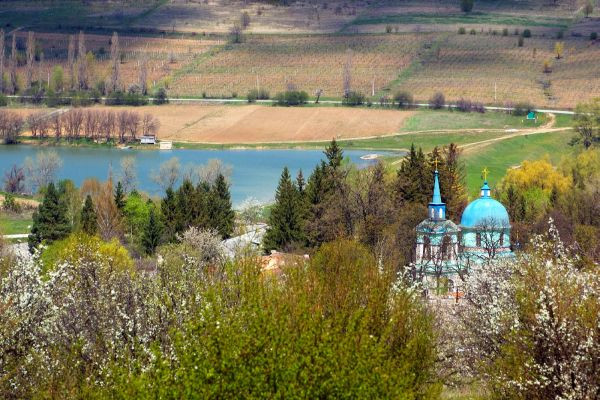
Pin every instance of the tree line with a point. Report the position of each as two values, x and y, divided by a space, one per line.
122 126
11 124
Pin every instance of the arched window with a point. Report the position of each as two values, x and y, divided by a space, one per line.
446 248
426 248
478 239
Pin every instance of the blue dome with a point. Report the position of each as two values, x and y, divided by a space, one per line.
484 210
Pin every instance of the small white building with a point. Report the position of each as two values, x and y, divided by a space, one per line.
148 140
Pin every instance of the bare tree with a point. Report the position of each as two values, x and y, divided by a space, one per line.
56 121
116 64
168 173
12 79
133 125
10 126
43 170
71 60
143 73
82 73
150 125
122 122
73 121
38 124
245 20
107 124
212 169
30 59
2 60
109 220
14 180
128 175
348 73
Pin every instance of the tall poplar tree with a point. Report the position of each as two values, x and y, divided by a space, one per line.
285 223
82 72
115 76
2 60
30 56
50 221
71 60
12 79
89 218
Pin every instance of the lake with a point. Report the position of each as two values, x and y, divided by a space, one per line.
255 172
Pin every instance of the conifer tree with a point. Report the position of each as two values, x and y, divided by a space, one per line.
152 232
50 221
89 218
285 229
412 181
119 196
453 182
334 154
186 206
222 215
169 215
202 216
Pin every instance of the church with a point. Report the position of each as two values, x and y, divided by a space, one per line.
445 251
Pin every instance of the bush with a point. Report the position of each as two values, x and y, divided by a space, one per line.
403 99
161 97
437 101
472 32
522 108
255 94
388 29
526 33
10 204
466 5
560 34
464 105
593 35
3 100
462 30
354 98
291 98
520 41
131 98
505 32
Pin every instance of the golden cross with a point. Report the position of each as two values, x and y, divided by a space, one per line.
436 163
485 173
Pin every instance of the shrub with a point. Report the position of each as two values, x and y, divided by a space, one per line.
10 204
472 32
526 33
593 35
520 41
291 98
437 101
464 105
462 30
517 31
403 99
388 29
505 32
354 98
3 100
466 5
547 67
522 108
161 97
255 94
560 34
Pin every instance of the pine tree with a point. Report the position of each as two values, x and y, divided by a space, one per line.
413 181
285 229
152 232
334 154
50 221
186 206
452 181
119 196
169 215
89 218
202 205
222 215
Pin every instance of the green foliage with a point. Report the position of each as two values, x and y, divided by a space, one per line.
587 123
403 99
119 196
89 219
291 98
462 30
334 154
353 98
152 232
169 215
526 33
308 336
50 221
10 204
118 98
160 97
285 222
255 94
221 211
57 80
3 100
593 35
522 108
136 213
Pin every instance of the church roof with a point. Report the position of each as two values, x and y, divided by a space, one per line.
485 211
436 226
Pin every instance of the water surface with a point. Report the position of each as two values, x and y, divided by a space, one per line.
255 172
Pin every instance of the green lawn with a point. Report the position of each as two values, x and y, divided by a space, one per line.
14 224
437 119
504 154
